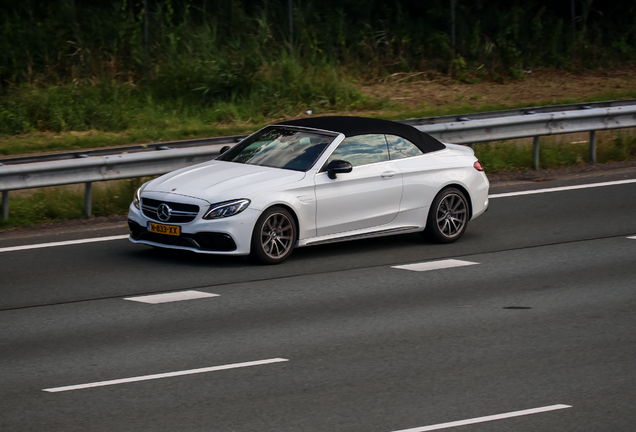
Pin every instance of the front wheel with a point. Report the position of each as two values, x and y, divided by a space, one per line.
448 216
274 236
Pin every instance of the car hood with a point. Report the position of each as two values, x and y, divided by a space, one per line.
218 181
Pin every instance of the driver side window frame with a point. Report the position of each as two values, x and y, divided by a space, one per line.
365 152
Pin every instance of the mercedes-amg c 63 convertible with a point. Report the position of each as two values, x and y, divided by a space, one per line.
312 181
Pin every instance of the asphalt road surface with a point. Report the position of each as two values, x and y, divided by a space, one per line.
528 323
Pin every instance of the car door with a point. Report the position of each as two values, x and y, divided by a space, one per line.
422 176
366 197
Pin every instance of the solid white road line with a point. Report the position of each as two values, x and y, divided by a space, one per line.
485 419
164 375
63 243
560 189
435 265
171 297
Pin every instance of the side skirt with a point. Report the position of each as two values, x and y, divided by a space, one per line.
381 233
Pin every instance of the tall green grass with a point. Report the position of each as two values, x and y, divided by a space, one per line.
76 65
283 87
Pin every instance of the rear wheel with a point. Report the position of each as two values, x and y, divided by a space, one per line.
274 236
448 216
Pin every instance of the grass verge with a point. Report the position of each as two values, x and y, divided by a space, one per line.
162 123
556 152
53 204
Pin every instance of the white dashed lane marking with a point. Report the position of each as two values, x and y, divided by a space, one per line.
164 375
435 265
486 418
633 238
171 297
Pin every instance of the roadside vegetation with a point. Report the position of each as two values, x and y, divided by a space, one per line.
556 151
98 73
53 204
186 67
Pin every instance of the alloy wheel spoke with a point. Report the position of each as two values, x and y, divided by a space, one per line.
454 228
457 204
445 226
281 248
277 221
275 246
450 202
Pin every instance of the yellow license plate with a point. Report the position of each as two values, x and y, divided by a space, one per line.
172 230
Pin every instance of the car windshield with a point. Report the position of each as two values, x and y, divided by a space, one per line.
280 147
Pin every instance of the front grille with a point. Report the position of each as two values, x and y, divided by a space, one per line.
179 213
206 241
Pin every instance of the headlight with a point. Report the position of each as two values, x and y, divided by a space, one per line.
226 209
137 198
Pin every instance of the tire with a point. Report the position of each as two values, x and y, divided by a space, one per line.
274 236
448 216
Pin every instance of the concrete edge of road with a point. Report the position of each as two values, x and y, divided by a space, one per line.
499 183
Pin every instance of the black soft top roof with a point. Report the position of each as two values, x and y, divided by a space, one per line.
352 126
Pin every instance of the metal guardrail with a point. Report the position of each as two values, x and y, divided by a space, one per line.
496 129
12 160
108 151
141 164
99 168
518 112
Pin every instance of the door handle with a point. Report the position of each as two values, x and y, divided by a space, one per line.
388 174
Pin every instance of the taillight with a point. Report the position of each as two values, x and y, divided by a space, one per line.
477 166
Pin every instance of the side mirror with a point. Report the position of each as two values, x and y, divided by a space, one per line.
224 149
338 167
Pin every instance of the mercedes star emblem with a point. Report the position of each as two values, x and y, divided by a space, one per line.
163 212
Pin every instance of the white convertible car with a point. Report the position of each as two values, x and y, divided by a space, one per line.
313 181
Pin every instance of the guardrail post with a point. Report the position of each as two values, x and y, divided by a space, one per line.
5 205
593 146
535 144
87 199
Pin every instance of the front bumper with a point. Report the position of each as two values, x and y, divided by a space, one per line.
203 241
227 236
